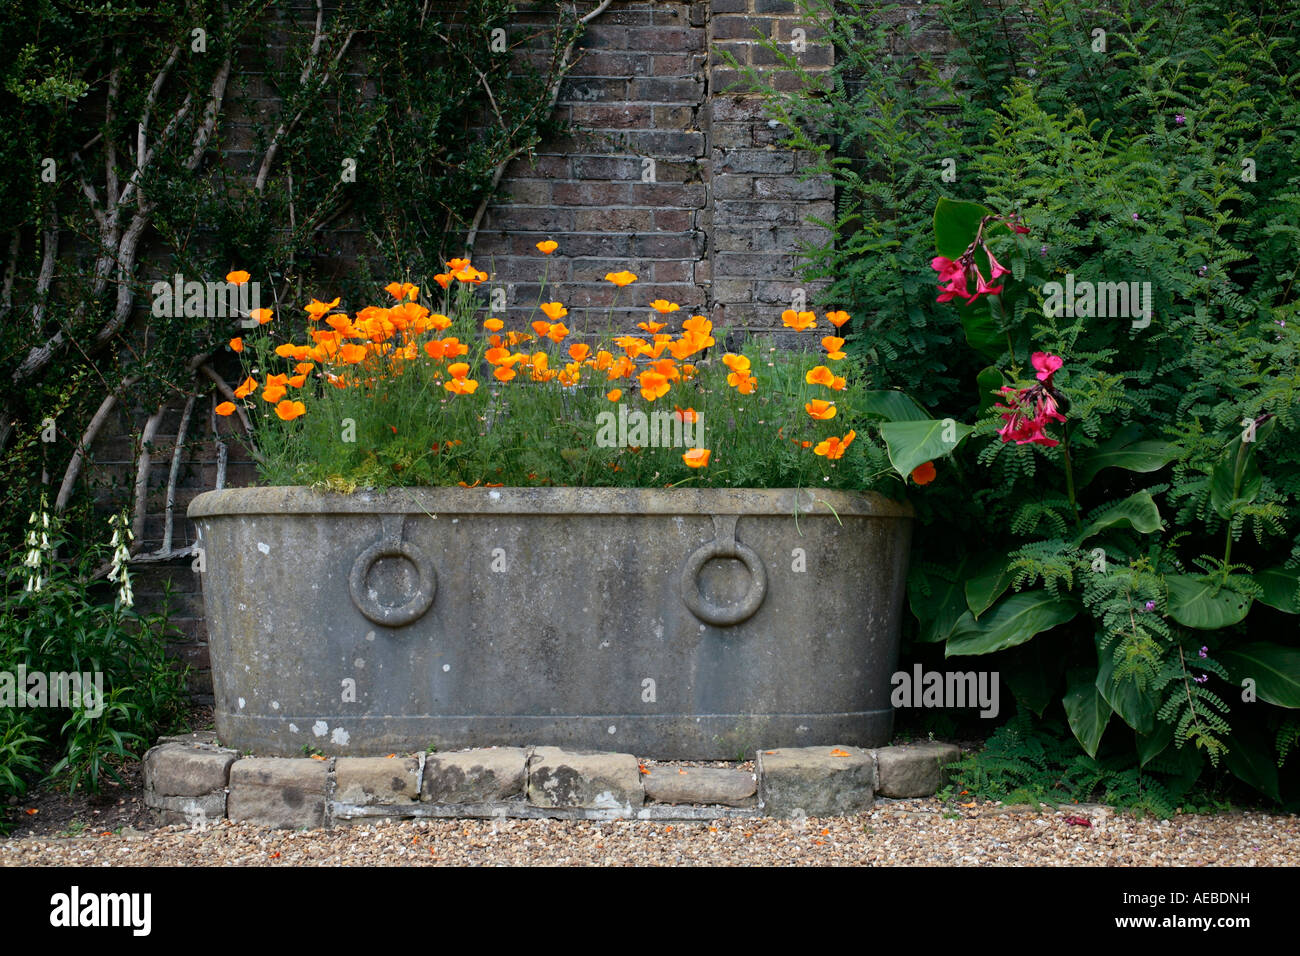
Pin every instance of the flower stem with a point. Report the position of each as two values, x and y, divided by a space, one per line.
1069 479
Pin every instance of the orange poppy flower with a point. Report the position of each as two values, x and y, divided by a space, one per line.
686 414
288 411
504 373
834 447
303 367
456 265
924 473
225 408
402 290
578 352
799 321
237 345
285 350
696 457
557 331
652 327
443 279
440 322
515 338
663 307
620 279
496 355
315 308
458 370
737 363
821 410
461 386
837 319
614 395
553 311
494 325
820 375
263 316
247 388
298 381
273 393
238 277
834 345
351 354
548 247
653 385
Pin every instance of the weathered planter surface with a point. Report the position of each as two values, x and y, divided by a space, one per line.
677 624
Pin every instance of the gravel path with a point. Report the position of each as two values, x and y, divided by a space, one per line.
895 833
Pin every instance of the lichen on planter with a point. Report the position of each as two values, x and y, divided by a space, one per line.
675 623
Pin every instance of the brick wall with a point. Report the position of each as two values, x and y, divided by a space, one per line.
669 173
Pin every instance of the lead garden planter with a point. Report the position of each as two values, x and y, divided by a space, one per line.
670 623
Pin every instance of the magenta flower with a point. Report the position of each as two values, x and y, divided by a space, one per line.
1046 365
1030 409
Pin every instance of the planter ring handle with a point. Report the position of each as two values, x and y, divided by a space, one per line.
391 545
724 545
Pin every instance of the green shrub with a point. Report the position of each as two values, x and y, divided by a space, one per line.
1133 567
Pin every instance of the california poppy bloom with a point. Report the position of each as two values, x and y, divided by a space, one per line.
620 279
493 325
225 408
578 352
696 457
263 316
237 345
553 311
503 373
461 386
653 385
821 410
315 308
288 411
247 388
238 277
614 395
351 354
273 393
799 321
834 447
820 375
833 345
548 247
663 306
838 318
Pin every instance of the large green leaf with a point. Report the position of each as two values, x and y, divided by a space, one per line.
1195 601
1275 669
892 405
1236 479
1086 710
1134 706
1012 621
1126 449
1152 745
955 225
987 383
914 443
1280 588
983 332
939 610
1250 758
1138 511
1033 671
987 585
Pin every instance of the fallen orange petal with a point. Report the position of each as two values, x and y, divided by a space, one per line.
837 752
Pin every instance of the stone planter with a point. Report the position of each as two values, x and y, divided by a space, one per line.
675 624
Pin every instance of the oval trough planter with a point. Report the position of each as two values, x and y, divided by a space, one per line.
670 623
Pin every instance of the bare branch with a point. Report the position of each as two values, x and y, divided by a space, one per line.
229 394
283 130
49 255
87 439
215 99
142 471
172 475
